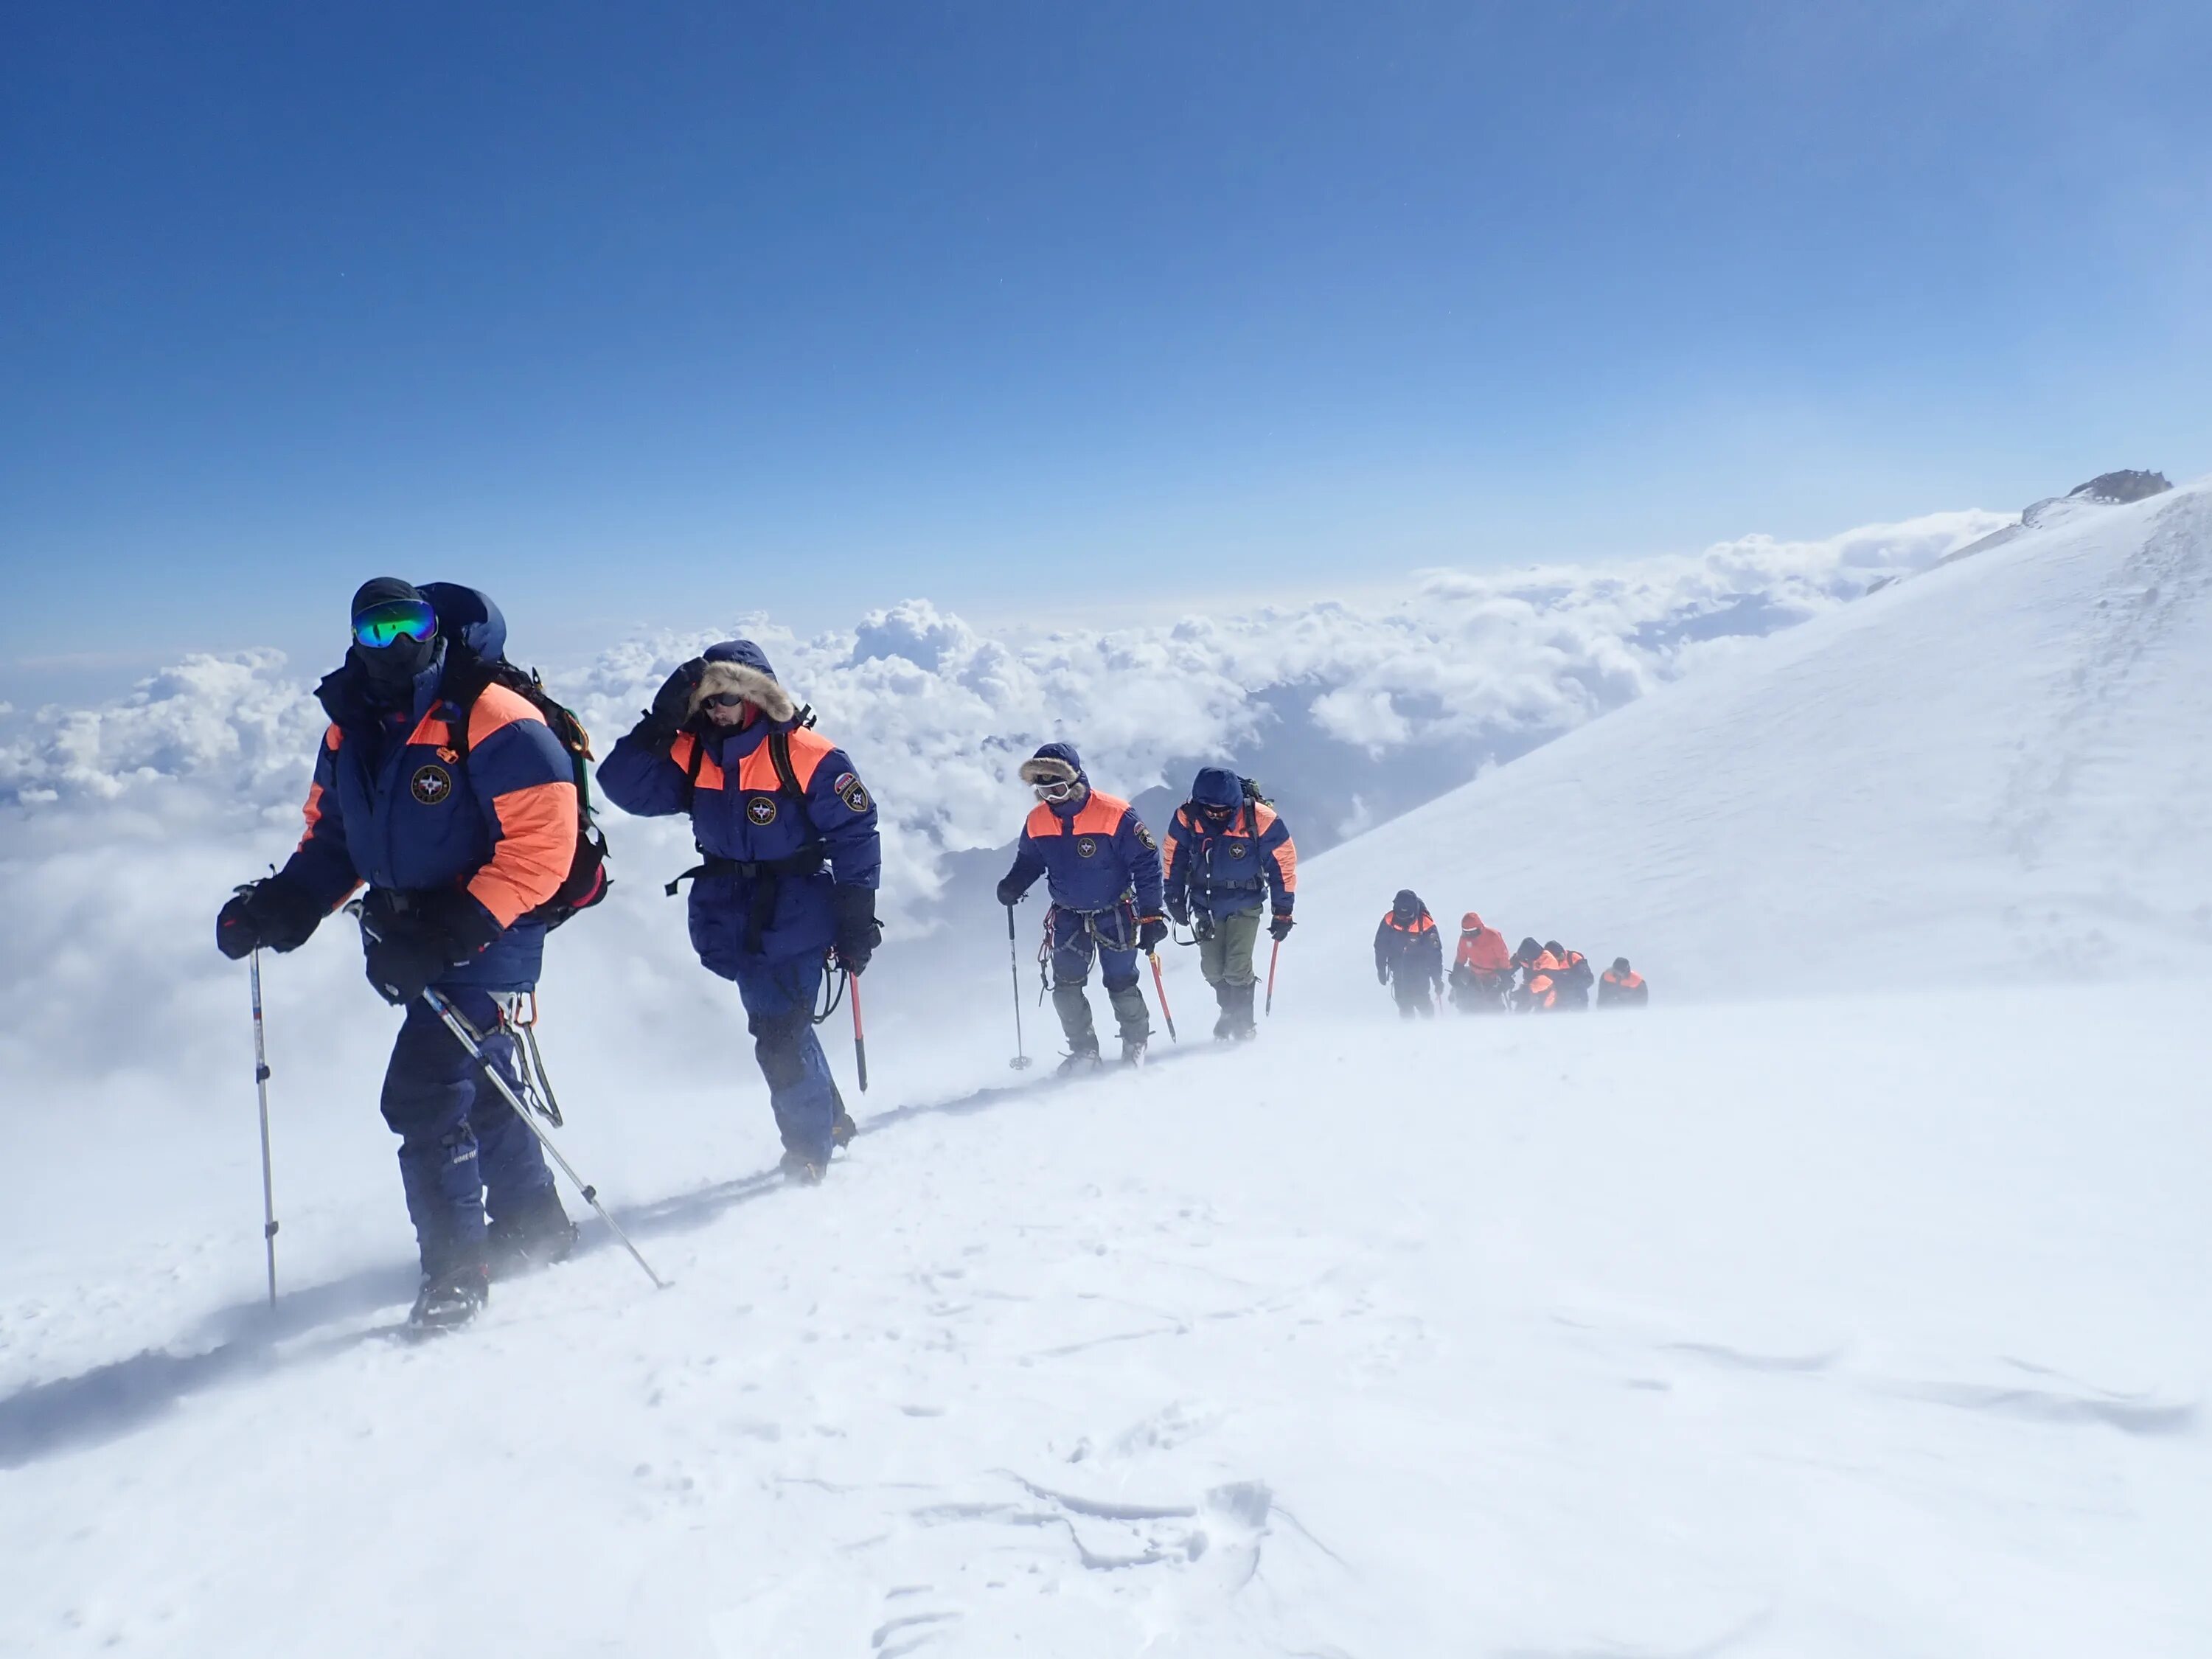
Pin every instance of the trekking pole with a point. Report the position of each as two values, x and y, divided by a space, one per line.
468 1038
1160 985
261 1087
859 1035
1020 1062
1271 958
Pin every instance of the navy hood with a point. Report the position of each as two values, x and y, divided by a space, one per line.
467 614
741 667
1059 761
1217 786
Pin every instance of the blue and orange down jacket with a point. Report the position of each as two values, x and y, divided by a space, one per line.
1093 855
773 860
397 803
1223 867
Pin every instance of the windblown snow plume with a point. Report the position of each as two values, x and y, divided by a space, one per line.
121 827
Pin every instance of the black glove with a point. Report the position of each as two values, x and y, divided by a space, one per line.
1279 928
1203 926
414 938
1010 891
1381 976
671 704
1150 932
272 911
1180 912
859 932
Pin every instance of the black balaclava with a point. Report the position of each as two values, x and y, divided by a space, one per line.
391 669
1406 906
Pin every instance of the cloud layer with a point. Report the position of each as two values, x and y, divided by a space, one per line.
121 826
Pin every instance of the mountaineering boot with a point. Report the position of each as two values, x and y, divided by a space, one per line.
536 1235
1133 1053
842 1131
1136 1025
803 1168
450 1299
1241 1026
1226 1027
1081 1061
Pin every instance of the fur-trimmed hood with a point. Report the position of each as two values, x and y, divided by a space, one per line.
1055 763
741 666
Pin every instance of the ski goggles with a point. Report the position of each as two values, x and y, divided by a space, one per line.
386 624
724 700
1065 789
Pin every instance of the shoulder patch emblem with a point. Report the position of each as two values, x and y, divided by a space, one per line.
761 809
850 790
1086 847
1145 839
433 785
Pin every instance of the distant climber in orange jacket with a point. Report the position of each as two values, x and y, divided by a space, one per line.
1482 970
1574 976
1622 986
1409 957
1539 990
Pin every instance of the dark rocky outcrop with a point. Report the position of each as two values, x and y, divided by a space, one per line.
2120 488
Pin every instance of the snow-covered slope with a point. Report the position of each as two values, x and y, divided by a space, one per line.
2001 768
1863 1323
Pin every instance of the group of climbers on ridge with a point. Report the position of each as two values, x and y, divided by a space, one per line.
452 786
1486 977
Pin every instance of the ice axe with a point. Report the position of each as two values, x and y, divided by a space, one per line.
1273 956
859 1033
1160 985
1021 1062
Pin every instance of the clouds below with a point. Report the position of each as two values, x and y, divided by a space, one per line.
122 825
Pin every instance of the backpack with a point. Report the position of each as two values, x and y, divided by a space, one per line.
1254 801
587 881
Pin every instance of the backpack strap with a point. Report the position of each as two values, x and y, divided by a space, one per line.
778 754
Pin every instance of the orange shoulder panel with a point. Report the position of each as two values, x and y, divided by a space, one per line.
1040 820
1101 815
710 769
333 736
757 770
497 706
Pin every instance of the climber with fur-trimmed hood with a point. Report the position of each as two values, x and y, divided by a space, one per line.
1101 868
792 861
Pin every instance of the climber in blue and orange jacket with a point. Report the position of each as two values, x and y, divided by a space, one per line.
1101 868
792 863
462 820
1621 986
1409 954
1230 860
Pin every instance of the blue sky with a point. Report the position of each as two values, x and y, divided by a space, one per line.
647 312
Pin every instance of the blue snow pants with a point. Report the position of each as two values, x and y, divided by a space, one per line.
460 1147
779 995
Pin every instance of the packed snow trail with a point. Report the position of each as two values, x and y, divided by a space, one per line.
1849 1327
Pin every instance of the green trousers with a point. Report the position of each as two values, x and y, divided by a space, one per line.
1225 957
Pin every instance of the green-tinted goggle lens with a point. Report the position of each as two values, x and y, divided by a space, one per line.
382 625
